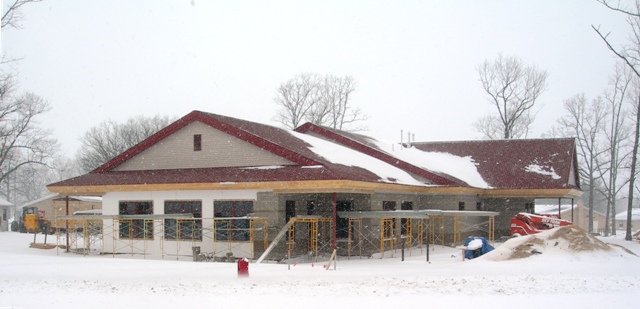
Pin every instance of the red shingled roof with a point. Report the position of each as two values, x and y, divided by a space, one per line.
215 175
503 164
278 141
508 164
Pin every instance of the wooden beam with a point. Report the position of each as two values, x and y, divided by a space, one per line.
317 186
533 193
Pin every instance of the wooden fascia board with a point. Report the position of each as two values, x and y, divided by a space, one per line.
319 186
375 153
533 193
275 186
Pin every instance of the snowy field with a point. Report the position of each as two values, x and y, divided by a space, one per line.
558 277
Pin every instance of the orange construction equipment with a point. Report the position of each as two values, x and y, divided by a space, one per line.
527 224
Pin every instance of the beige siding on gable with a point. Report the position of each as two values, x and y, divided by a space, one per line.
572 176
218 150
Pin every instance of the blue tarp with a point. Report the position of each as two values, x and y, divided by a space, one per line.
470 254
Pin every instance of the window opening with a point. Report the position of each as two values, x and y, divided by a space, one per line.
232 229
342 224
311 205
189 229
403 221
389 226
389 205
197 142
529 208
138 228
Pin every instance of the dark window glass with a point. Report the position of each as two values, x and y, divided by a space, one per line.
232 229
389 205
189 229
197 142
136 228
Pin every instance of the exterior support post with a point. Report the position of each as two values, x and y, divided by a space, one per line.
571 209
559 208
67 221
334 223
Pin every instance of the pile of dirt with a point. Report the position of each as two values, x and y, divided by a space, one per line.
42 246
578 239
567 238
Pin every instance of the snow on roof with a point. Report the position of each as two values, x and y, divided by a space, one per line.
94 199
4 202
552 209
635 215
342 155
542 170
52 196
46 197
463 168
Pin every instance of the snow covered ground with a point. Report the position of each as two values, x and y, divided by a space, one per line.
558 277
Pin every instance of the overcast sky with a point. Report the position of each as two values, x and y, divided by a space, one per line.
414 61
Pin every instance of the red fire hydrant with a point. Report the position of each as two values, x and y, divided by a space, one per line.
243 267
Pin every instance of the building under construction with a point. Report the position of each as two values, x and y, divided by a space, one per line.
261 192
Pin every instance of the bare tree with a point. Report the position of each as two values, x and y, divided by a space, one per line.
513 89
296 97
491 127
336 92
322 100
22 142
110 138
12 15
26 150
629 53
586 121
616 134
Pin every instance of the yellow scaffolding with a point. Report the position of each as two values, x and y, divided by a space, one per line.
457 229
408 232
85 232
353 221
316 226
436 229
387 230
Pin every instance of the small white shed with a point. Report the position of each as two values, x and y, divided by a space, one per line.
5 214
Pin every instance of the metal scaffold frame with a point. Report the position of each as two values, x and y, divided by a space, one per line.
459 225
431 227
183 233
155 237
353 221
318 228
387 233
436 229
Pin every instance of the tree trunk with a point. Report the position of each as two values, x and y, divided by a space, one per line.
632 178
591 190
